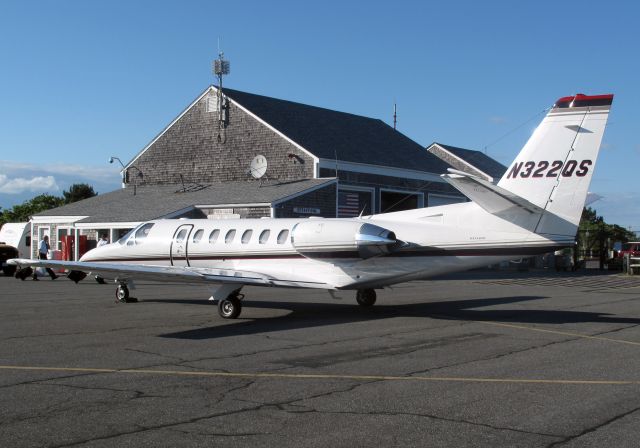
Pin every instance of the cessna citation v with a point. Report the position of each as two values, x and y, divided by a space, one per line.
533 209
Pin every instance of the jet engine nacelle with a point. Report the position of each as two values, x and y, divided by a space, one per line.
327 238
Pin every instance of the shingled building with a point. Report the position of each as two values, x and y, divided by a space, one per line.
237 154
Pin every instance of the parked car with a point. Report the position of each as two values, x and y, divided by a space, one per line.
632 248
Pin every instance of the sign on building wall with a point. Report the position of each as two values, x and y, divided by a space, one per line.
222 213
306 210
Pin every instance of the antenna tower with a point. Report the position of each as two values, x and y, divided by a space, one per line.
221 67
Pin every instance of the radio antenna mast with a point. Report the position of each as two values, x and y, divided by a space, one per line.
395 116
221 67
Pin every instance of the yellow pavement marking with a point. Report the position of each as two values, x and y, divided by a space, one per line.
562 333
321 376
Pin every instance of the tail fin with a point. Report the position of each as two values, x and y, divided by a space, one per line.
554 169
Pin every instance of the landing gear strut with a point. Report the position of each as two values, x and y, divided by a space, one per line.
366 297
231 306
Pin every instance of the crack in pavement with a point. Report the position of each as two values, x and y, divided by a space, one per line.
137 393
177 358
592 429
142 429
391 335
491 358
219 434
436 417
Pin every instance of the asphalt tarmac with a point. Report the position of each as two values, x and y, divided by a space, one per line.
508 359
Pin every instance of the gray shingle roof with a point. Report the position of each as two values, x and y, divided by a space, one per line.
327 133
152 202
477 159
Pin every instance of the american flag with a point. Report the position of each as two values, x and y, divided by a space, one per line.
348 205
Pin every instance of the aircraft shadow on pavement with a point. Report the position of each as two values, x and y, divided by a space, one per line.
308 315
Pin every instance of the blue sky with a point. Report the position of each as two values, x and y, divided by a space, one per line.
81 81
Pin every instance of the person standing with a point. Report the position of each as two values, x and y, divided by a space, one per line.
43 250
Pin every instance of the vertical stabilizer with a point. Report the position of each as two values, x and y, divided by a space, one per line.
554 169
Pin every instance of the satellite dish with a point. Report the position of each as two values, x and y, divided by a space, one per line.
258 166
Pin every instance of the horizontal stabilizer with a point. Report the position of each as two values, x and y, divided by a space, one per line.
490 197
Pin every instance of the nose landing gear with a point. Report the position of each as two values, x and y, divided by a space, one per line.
122 294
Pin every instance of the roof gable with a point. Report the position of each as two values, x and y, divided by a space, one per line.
330 134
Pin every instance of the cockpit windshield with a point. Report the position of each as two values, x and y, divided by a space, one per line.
123 239
136 235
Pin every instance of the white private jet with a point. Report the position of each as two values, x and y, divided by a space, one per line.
534 209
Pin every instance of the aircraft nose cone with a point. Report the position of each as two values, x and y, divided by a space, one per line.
89 256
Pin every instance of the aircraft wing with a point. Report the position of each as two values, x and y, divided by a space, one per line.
490 197
186 274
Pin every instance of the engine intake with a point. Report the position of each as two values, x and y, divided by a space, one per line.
329 238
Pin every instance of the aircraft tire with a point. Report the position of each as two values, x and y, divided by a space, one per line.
366 297
230 307
122 293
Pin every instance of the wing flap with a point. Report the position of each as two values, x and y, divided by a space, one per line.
186 274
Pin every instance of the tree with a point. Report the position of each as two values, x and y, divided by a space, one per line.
77 192
24 211
595 235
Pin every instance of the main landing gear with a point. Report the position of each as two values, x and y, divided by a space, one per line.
231 307
366 297
229 300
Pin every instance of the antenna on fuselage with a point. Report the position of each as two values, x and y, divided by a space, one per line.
363 208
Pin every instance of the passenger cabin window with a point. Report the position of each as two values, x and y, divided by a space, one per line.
231 234
246 236
198 236
264 236
180 236
282 236
213 236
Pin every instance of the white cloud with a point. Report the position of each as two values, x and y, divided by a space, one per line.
20 181
85 172
19 185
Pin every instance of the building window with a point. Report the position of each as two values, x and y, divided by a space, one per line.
231 234
353 202
264 236
282 236
395 201
213 236
246 236
198 236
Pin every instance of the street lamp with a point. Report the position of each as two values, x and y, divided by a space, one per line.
140 174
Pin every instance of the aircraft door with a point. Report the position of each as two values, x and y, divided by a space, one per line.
179 245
